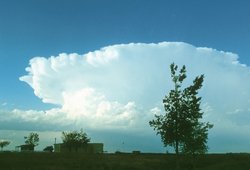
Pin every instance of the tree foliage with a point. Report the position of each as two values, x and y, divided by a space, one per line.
75 139
4 143
181 127
48 149
32 139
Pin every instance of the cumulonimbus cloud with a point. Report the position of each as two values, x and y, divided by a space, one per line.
121 86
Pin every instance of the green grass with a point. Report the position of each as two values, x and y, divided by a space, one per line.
77 161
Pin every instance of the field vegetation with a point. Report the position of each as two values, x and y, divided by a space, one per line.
121 161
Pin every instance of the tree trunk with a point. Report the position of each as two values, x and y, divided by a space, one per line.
193 161
177 160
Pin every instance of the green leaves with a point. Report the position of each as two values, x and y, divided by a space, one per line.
4 143
180 127
32 139
75 139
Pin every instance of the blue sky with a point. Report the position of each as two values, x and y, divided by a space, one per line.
48 28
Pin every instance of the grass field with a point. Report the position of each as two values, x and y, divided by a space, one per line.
77 161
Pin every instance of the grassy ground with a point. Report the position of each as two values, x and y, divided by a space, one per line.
73 161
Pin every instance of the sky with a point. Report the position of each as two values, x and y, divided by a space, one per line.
103 65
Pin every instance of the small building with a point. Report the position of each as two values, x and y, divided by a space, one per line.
88 148
25 148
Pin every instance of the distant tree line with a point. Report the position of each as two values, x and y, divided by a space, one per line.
71 140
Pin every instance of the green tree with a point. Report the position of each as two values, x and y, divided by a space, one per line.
4 143
75 139
32 139
180 127
48 149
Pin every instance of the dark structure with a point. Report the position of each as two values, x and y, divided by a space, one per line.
25 148
48 149
88 148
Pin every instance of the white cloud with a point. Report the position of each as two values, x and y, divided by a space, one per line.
103 56
106 80
87 106
121 86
